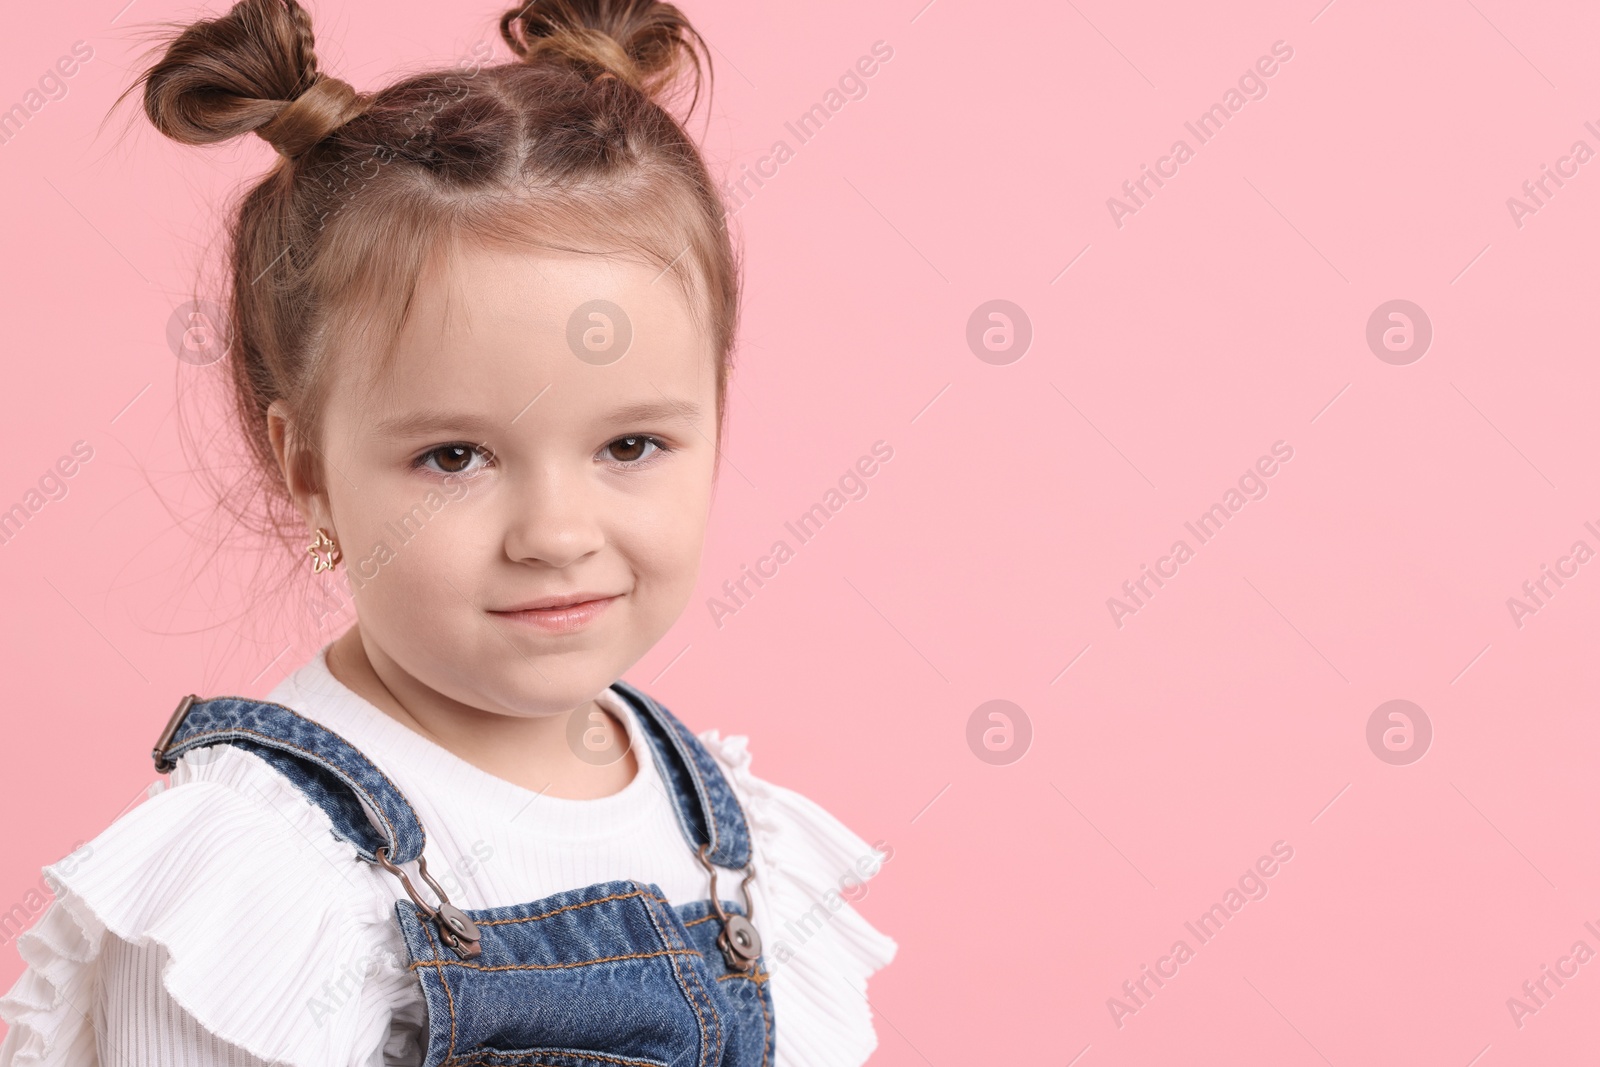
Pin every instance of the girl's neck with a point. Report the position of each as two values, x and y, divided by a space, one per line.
531 752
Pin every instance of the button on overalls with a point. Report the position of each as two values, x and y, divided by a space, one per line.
611 974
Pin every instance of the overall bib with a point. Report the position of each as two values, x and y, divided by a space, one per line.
610 974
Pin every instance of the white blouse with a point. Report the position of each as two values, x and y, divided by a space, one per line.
221 923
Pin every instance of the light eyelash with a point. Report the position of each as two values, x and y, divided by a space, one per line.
420 462
662 448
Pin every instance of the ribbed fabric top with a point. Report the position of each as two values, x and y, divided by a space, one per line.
510 840
221 922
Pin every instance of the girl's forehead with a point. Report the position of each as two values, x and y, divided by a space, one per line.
547 307
470 288
497 333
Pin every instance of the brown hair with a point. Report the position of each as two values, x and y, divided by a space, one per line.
567 146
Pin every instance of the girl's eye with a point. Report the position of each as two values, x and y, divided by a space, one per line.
452 458
630 451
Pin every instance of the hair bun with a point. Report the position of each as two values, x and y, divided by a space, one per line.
311 116
644 43
252 69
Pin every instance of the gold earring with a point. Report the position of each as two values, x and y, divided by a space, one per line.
322 543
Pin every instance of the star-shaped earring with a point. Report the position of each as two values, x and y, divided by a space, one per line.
322 544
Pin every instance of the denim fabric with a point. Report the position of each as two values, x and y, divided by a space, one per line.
608 974
328 769
610 969
690 770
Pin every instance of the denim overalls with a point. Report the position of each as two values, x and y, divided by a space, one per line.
611 974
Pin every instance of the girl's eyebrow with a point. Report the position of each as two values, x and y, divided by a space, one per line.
651 410
423 423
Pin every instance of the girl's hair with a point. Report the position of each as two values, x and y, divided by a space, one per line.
569 146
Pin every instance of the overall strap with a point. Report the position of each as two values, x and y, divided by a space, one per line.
708 810
330 771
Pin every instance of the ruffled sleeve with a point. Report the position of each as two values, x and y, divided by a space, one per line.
277 938
818 948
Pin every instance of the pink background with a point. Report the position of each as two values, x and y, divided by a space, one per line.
1226 314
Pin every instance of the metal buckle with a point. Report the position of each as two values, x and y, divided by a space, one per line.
455 929
159 753
739 941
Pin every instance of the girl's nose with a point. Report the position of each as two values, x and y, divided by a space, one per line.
552 515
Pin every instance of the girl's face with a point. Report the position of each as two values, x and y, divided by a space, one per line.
508 458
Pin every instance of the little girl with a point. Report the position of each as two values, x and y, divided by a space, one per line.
480 328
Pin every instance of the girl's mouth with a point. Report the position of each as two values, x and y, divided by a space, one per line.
568 618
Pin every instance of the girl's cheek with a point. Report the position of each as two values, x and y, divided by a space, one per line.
455 489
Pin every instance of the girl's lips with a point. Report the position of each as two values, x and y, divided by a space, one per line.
562 620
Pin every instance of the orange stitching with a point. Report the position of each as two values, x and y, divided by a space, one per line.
711 1009
532 1058
757 978
569 907
729 906
552 966
448 996
688 995
766 1022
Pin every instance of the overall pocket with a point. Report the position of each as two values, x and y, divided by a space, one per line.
604 975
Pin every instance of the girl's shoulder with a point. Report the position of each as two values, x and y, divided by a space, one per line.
811 869
280 940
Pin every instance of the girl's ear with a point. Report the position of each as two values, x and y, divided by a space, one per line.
295 467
